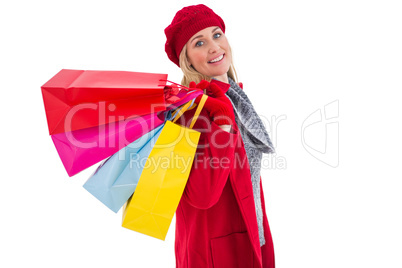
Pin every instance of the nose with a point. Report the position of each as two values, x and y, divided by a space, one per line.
214 47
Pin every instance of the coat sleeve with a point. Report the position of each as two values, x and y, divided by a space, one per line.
214 158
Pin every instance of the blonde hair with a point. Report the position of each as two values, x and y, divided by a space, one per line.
190 74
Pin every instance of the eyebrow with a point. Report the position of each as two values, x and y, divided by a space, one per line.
198 36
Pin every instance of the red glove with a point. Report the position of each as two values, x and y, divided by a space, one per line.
213 90
218 106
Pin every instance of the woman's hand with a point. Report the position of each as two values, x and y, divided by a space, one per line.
212 90
218 106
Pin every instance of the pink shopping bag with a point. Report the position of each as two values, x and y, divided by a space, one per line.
80 149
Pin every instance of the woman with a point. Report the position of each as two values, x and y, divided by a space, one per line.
221 219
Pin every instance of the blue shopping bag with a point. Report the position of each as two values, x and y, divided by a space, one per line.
116 178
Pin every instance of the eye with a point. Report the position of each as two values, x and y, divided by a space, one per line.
217 35
199 43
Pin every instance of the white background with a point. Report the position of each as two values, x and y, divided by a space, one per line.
294 57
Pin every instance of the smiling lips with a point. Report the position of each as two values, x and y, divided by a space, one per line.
217 59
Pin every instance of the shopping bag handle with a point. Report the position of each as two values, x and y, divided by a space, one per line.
199 108
187 106
178 85
179 112
191 93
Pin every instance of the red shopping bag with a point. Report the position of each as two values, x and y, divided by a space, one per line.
78 99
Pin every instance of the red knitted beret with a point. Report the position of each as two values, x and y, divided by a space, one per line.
187 22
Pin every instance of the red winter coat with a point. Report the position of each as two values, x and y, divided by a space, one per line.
216 222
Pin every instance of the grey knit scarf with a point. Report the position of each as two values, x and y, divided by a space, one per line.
256 141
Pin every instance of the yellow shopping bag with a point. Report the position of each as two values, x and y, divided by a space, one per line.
151 208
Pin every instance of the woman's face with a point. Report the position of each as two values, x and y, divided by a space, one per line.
208 52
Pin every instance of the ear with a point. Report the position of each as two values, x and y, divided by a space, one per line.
189 62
